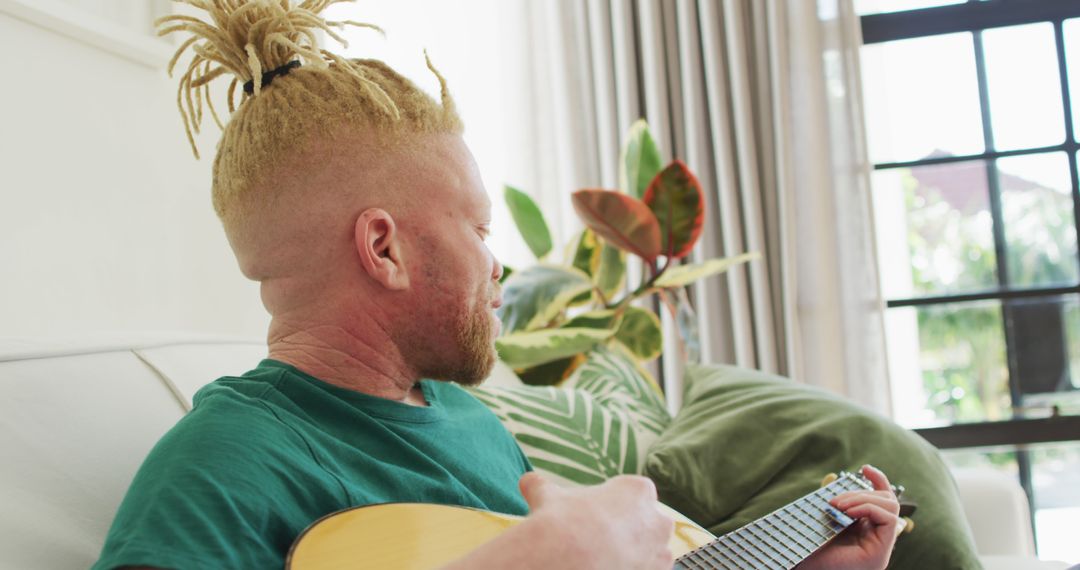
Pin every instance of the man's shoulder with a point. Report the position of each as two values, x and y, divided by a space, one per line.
232 418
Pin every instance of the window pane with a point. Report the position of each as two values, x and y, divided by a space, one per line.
1055 479
934 230
921 97
1040 228
864 7
1024 86
1001 459
961 373
1072 63
1044 335
1047 333
1072 337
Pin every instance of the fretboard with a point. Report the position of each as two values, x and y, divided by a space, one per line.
781 539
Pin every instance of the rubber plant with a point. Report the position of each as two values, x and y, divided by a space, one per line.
553 314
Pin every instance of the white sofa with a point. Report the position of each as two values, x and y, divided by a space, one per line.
77 418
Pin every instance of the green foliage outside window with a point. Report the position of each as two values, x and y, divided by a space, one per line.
962 347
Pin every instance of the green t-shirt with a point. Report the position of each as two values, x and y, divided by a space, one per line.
263 455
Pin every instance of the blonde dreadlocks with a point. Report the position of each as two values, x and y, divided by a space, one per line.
257 42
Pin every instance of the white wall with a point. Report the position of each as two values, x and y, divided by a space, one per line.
105 216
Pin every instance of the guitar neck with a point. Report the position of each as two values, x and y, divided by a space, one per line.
781 539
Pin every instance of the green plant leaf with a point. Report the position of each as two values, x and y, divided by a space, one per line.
529 220
507 271
613 376
610 272
624 222
640 332
686 274
675 198
550 373
599 319
566 432
587 252
598 424
640 161
534 296
527 349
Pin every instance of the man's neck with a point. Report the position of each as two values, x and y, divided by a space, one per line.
367 362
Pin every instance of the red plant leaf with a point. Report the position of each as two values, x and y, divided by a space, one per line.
675 197
624 221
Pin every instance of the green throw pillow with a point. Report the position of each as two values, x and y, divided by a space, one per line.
746 443
595 425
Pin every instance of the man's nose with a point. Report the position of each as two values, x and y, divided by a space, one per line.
497 270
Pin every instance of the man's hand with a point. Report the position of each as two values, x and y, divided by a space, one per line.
613 525
868 543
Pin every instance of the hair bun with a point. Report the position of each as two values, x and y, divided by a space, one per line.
247 38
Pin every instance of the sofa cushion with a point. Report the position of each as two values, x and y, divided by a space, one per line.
188 366
746 443
595 425
73 430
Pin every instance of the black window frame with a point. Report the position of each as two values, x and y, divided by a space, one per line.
975 16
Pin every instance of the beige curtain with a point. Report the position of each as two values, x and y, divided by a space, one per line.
761 99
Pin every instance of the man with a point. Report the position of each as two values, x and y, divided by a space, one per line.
351 197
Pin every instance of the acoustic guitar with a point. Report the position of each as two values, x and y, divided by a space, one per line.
422 536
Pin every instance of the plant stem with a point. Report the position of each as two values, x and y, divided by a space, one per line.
643 289
600 295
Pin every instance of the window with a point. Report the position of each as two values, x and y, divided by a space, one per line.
972 117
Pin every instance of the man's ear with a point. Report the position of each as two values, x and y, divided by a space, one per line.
379 246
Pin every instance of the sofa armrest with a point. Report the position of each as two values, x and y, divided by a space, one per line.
997 510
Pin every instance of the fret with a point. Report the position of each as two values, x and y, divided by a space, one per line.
702 563
755 529
709 561
804 536
740 550
733 560
725 554
811 523
800 536
820 501
796 550
686 562
738 547
712 558
744 539
748 537
730 559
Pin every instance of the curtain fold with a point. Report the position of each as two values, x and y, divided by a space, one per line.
761 100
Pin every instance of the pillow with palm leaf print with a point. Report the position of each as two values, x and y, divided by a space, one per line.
597 424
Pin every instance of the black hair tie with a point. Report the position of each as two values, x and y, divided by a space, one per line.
269 76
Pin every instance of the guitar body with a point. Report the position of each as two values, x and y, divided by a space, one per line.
414 536
419 536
